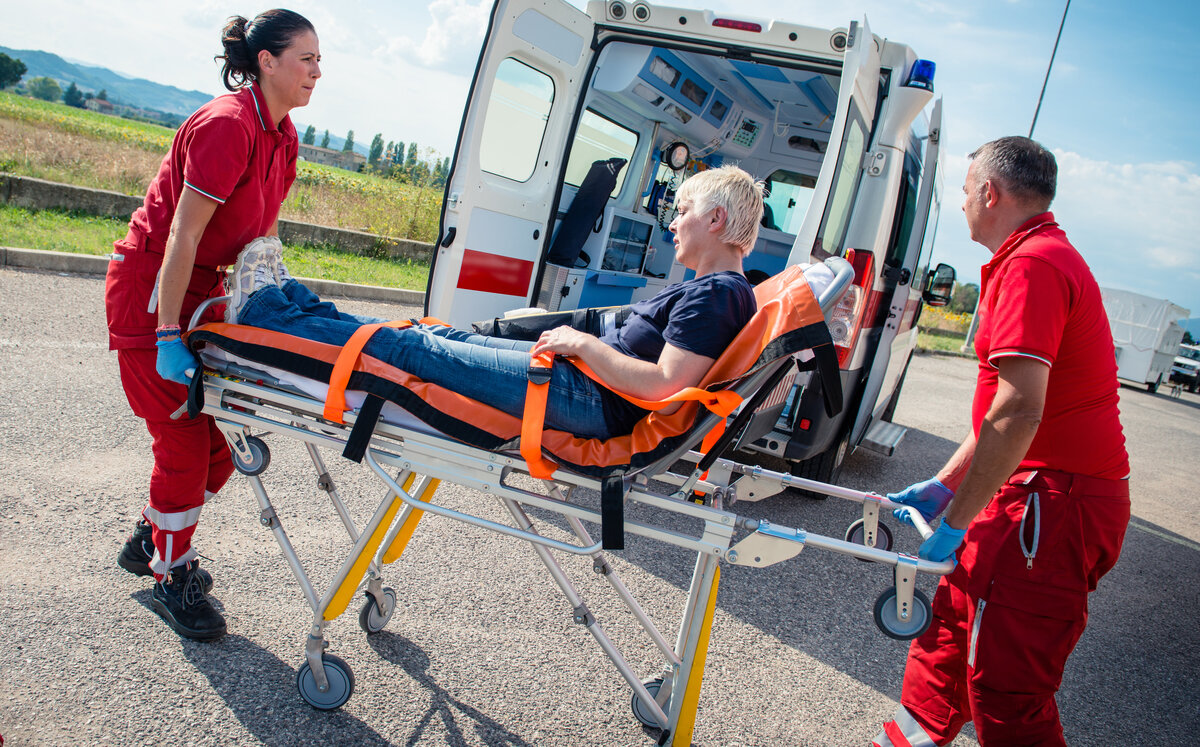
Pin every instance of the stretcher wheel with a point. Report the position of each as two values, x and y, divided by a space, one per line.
639 709
341 684
371 619
883 536
889 620
260 457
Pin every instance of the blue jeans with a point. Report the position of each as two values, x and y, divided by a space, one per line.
485 369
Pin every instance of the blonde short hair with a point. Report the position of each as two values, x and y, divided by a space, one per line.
735 190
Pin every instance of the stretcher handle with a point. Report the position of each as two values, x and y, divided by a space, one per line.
919 522
204 306
843 276
449 513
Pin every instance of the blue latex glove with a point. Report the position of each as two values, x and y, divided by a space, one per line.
930 498
175 362
942 543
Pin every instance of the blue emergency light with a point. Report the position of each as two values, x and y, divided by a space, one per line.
921 75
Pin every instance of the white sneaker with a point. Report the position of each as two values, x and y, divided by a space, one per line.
254 270
275 245
281 273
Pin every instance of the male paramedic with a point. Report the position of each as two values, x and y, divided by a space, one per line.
1036 499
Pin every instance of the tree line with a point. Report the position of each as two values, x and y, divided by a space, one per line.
409 163
44 88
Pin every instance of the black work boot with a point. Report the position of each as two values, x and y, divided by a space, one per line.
181 601
139 548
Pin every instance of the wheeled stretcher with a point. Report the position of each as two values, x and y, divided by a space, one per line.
413 435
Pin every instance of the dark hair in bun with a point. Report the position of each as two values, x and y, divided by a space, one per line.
272 30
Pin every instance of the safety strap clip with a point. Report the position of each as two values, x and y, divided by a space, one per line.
539 375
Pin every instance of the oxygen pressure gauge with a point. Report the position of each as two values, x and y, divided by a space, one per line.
676 155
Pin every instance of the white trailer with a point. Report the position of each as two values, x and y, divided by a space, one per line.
1146 333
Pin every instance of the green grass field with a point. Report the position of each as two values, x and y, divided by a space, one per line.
60 231
75 146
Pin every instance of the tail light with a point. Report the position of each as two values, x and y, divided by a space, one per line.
846 319
729 23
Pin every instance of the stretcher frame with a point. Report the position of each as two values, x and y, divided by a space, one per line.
411 464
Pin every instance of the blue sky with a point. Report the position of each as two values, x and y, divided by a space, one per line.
1120 109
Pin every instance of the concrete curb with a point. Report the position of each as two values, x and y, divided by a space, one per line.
943 353
85 264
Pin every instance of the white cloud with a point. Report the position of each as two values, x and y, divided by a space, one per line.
451 40
1136 224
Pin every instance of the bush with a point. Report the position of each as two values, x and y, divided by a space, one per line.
46 89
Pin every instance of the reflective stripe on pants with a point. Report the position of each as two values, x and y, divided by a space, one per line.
902 731
191 459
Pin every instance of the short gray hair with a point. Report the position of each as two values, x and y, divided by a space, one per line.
1022 166
735 190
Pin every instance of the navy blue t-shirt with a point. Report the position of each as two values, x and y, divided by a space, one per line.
701 316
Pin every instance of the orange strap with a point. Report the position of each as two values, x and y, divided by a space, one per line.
721 402
335 400
534 417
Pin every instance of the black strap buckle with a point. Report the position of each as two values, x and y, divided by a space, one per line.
539 375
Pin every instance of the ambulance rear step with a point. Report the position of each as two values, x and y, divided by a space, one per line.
883 437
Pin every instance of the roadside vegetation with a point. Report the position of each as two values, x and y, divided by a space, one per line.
62 231
944 329
60 143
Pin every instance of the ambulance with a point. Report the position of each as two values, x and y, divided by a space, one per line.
580 127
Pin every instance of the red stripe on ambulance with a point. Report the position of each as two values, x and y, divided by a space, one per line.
492 273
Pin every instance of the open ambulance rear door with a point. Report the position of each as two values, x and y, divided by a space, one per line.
807 435
889 362
823 232
507 162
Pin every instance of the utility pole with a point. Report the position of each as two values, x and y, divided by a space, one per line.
971 329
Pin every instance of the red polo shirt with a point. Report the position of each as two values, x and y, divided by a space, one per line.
1039 300
230 152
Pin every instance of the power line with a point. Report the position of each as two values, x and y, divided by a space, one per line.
971 328
1050 65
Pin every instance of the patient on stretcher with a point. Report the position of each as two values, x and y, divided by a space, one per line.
667 343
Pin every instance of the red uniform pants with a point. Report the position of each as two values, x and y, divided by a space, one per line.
1008 616
191 458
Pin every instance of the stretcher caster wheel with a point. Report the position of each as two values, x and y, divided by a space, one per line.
341 684
259 457
371 619
888 619
883 536
640 712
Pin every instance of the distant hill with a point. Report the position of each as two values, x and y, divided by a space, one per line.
136 92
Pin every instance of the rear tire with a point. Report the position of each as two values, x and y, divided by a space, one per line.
825 467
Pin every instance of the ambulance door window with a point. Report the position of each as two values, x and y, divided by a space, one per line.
598 139
906 212
516 120
788 196
845 185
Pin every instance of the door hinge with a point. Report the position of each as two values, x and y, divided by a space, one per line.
875 162
900 274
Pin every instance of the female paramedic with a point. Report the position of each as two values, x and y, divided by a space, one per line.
221 184
669 341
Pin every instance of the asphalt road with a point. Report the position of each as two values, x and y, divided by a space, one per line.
482 649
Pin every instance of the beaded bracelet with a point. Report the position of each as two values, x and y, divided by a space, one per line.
167 330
